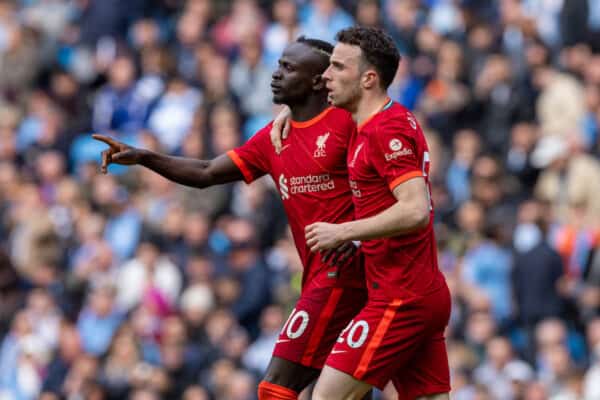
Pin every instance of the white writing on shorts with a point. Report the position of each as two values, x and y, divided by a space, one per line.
296 324
357 333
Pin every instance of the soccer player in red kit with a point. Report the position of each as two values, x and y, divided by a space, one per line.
399 334
311 176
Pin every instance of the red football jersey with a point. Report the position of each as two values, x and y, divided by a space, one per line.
387 150
312 178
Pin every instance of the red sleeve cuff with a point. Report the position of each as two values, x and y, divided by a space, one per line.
241 165
403 178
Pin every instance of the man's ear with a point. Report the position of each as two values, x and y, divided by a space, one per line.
318 83
369 79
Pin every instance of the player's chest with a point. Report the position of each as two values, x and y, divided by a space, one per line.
322 152
362 175
360 167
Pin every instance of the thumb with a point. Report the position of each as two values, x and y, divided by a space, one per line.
276 138
277 144
286 129
121 156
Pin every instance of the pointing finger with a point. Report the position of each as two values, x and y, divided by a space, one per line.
106 139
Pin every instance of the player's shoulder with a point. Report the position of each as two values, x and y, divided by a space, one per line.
260 138
396 114
399 119
337 112
338 116
264 131
397 110
339 121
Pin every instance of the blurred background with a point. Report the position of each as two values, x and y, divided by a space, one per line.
126 286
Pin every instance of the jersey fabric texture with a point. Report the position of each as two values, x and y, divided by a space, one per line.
386 151
315 324
311 176
399 334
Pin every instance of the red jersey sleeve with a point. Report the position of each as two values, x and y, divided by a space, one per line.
394 149
252 158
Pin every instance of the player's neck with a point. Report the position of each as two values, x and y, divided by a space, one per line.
313 106
369 105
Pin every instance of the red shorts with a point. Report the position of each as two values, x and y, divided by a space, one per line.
316 322
400 340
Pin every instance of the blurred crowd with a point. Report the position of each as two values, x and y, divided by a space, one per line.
127 286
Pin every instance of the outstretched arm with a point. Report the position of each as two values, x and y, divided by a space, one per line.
185 171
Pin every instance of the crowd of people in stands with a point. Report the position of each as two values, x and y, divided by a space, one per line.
126 285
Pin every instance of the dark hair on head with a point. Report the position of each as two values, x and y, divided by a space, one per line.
321 49
154 238
317 44
378 49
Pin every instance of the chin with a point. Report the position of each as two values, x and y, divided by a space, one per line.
338 103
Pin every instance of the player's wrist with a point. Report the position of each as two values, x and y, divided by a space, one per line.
144 156
346 232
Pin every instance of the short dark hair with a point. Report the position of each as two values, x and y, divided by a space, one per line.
378 49
317 44
153 237
321 49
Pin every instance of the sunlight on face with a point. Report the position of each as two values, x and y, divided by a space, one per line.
343 76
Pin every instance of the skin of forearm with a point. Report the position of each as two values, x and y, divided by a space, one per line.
398 219
182 170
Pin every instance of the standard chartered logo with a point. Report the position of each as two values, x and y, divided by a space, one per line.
283 187
304 184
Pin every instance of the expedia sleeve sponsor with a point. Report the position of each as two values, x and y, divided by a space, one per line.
396 154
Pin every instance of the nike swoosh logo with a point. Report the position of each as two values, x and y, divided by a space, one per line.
338 351
282 340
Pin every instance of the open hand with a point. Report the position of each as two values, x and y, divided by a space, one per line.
117 153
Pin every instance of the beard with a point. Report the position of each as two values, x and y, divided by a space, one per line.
348 100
